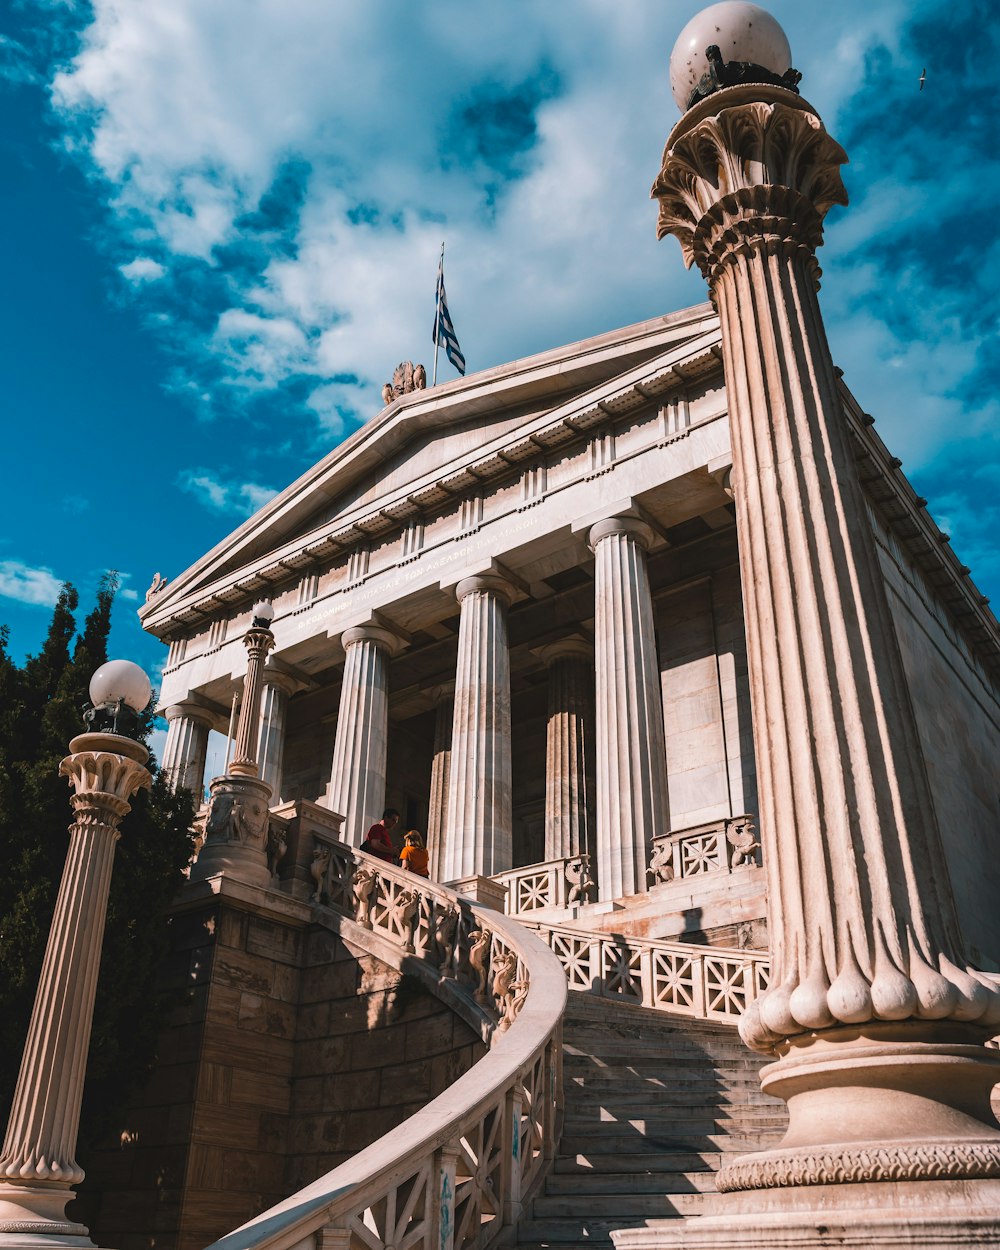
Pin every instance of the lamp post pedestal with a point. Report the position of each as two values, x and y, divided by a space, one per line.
38 1167
237 824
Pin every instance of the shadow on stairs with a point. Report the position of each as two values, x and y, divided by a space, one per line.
652 1104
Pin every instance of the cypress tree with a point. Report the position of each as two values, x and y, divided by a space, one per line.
41 708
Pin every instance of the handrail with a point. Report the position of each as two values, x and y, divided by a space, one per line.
456 1173
679 978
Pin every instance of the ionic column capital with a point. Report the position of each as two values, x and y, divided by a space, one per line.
608 528
749 167
486 583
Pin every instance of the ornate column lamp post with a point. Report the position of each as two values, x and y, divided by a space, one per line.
38 1166
236 826
876 1017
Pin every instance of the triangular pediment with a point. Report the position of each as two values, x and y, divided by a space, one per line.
437 442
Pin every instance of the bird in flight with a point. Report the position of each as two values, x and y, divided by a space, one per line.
923 77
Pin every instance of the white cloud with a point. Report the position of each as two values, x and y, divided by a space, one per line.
307 160
29 585
236 498
142 269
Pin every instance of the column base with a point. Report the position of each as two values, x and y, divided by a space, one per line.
879 1102
480 890
916 1215
34 1216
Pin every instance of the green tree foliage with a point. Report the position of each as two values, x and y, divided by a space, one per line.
41 708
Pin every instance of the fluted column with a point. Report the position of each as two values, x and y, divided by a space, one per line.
871 987
631 752
357 779
277 687
570 666
479 838
444 717
38 1163
186 749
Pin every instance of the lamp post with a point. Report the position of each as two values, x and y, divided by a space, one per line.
236 825
876 1018
37 1165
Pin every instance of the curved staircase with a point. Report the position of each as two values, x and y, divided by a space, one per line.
583 1117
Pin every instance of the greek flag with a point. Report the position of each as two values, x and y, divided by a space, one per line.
444 331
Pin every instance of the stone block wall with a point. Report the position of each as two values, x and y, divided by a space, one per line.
288 1054
372 1048
956 700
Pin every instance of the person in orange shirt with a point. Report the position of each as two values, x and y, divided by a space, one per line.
414 856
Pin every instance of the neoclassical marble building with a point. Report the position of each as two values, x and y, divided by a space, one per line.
510 606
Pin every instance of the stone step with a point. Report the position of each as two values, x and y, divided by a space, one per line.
703 1096
696 1140
586 1233
665 1076
593 1165
661 1181
672 1118
610 1207
626 1059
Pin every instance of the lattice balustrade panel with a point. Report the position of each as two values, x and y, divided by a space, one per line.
394 907
532 1126
478 1181
533 891
725 987
339 876
700 854
621 970
573 953
761 977
399 1218
675 979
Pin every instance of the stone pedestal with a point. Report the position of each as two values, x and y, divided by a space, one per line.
38 1166
479 837
876 1016
892 1215
357 778
571 678
236 832
481 890
186 748
628 719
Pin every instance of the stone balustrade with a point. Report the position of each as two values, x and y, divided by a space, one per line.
706 982
455 1175
563 882
722 846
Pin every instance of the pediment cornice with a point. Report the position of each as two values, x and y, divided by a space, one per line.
674 353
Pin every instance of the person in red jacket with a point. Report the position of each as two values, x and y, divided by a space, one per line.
377 840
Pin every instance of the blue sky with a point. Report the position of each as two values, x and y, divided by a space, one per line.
221 219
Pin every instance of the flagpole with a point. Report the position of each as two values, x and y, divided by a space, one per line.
437 316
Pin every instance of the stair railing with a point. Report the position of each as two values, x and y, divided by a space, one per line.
456 1174
679 978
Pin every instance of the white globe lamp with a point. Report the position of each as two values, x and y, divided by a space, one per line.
746 35
119 680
